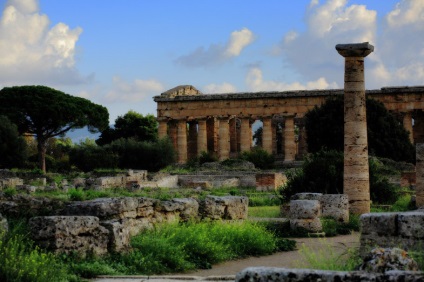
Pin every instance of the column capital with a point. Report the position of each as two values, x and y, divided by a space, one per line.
355 49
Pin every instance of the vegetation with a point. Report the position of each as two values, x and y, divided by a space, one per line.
386 135
259 157
322 172
45 113
132 125
264 211
13 149
181 247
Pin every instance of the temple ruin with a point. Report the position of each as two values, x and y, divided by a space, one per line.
222 123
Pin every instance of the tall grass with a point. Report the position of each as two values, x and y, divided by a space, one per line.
180 247
264 211
329 257
20 260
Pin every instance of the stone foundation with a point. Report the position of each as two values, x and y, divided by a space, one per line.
263 274
403 230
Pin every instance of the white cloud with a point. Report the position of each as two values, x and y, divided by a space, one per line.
219 88
135 91
256 83
312 52
31 52
407 12
217 54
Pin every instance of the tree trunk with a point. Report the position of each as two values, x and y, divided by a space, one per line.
42 148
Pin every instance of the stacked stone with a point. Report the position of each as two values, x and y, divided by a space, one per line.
386 230
228 207
305 211
4 226
335 206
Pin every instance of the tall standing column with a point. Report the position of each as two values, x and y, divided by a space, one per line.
163 129
356 182
289 140
245 135
407 123
224 139
182 141
267 134
202 137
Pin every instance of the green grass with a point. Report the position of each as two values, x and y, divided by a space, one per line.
181 247
264 211
329 258
403 203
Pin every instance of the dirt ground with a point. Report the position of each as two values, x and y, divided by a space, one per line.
291 259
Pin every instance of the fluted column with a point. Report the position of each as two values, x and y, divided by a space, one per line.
419 187
267 134
163 129
245 135
182 141
224 139
356 182
202 137
407 123
289 140
173 134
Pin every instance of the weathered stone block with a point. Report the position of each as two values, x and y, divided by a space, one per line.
65 234
4 226
231 182
189 210
228 207
382 224
411 224
307 196
311 225
11 182
119 235
335 206
305 209
105 208
269 181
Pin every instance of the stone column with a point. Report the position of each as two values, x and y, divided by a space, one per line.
356 182
162 129
303 144
289 140
407 123
245 135
267 134
419 186
192 139
224 139
182 141
173 134
202 137
418 128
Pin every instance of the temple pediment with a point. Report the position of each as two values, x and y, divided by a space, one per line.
181 90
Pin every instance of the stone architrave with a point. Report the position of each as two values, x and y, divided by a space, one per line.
419 186
356 171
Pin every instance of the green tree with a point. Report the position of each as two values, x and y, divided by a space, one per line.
45 113
13 147
386 135
131 125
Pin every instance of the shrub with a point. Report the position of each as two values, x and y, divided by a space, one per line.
90 157
259 157
13 148
322 172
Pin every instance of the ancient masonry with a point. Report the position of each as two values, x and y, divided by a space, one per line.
222 123
356 182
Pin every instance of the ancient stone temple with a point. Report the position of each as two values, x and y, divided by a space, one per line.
222 123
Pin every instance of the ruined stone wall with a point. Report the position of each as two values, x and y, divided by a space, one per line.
393 229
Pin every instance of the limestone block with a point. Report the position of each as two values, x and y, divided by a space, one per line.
311 225
231 182
29 189
169 181
119 235
4 226
305 209
410 224
65 234
105 208
384 259
335 206
382 224
228 207
269 181
307 196
190 208
11 182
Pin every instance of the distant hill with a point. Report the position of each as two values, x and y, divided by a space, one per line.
78 135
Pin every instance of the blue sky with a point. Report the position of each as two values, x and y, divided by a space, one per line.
122 53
